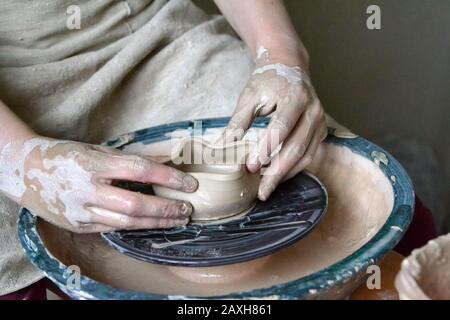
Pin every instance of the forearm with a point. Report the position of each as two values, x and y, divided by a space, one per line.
266 24
68 183
280 87
12 127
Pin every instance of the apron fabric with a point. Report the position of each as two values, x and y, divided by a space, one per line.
133 64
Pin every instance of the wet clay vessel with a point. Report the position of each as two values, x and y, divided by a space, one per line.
425 274
225 188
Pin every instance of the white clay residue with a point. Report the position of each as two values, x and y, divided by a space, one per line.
396 228
379 157
12 166
261 51
64 187
292 75
77 183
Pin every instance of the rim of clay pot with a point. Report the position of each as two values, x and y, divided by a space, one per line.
234 172
208 145
352 268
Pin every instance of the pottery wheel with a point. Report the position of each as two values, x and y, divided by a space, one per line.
292 211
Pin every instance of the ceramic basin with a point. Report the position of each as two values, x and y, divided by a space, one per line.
371 201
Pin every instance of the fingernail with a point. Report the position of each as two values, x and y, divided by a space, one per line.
185 209
180 223
252 162
265 191
190 184
253 167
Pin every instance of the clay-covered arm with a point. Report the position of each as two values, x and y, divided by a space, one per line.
70 183
13 128
280 86
266 24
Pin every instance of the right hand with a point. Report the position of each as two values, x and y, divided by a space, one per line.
69 184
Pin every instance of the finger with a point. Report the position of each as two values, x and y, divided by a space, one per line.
265 107
309 154
93 228
293 150
281 125
139 169
137 204
124 222
242 117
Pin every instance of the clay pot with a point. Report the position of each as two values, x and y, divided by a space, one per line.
226 188
425 274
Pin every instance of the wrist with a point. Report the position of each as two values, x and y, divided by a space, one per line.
291 54
17 137
16 133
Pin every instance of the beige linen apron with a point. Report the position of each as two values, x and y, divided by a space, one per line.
133 64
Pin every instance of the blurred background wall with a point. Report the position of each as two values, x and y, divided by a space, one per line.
393 81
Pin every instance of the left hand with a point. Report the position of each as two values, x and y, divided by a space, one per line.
297 120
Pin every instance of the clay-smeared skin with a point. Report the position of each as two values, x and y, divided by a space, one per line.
298 119
69 184
279 86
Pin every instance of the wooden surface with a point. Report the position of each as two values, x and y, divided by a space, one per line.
389 268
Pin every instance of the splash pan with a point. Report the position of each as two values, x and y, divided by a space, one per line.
270 226
370 205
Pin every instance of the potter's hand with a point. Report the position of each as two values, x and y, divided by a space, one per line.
297 119
69 184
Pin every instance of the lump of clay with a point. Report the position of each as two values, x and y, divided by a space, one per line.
226 188
425 274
